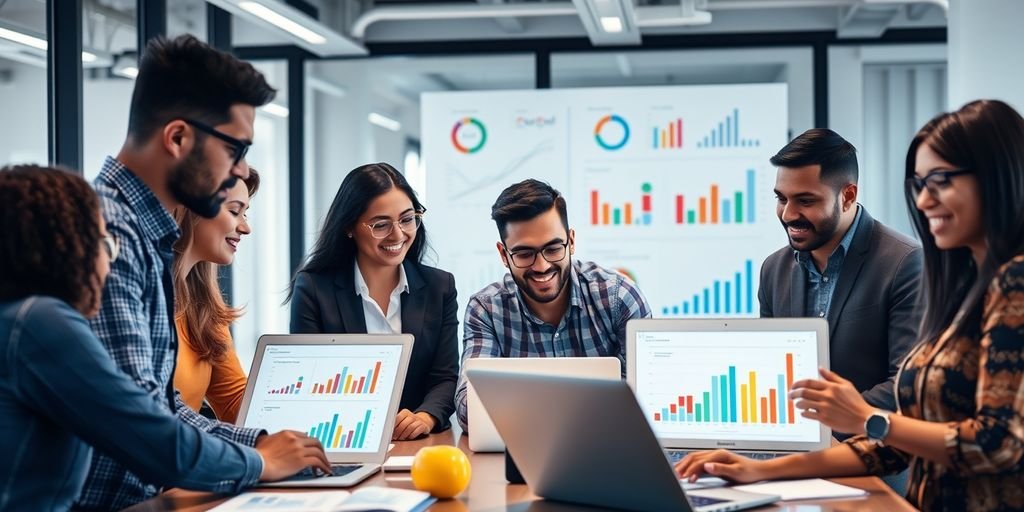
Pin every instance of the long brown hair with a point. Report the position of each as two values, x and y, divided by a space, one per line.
197 295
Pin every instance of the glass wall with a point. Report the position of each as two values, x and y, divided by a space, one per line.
262 269
23 138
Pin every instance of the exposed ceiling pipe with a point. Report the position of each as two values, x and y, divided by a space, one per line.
647 16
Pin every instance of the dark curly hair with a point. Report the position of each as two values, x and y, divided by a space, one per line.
51 235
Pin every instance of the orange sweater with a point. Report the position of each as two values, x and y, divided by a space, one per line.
221 384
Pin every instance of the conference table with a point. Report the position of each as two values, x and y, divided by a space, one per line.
489 492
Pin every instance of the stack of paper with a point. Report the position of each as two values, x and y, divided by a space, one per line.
810 489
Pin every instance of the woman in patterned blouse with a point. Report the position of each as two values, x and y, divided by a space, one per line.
960 423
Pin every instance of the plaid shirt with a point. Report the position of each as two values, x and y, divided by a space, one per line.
499 324
135 325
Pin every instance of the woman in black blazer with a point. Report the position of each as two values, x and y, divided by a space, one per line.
364 269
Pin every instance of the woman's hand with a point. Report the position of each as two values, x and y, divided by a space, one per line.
833 401
723 464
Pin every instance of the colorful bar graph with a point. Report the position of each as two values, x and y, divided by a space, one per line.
604 214
721 296
331 433
717 207
724 396
727 134
345 383
291 389
669 137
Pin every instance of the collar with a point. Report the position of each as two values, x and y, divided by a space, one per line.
844 244
156 222
364 290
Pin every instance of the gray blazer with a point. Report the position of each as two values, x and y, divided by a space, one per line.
875 313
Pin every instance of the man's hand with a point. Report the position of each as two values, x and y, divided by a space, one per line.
288 452
410 425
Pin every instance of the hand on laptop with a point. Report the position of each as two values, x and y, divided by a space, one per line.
288 452
410 425
723 464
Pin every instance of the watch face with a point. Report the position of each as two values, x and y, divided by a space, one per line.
876 426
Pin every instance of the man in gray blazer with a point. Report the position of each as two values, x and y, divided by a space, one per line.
842 265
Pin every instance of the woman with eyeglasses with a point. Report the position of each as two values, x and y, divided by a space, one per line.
208 368
61 395
960 393
365 275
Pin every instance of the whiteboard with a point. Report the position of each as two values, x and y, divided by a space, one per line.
669 185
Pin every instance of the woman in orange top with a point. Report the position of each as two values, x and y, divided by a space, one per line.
207 365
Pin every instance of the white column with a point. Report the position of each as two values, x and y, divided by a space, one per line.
986 51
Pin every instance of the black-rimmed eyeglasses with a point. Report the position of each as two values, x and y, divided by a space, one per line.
935 181
239 147
525 258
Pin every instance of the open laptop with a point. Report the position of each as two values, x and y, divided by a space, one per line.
724 383
587 441
341 389
483 437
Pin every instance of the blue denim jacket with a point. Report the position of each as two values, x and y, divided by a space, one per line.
60 392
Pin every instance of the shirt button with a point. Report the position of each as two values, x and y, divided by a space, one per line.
825 279
821 314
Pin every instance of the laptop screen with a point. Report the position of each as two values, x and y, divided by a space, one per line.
338 394
725 385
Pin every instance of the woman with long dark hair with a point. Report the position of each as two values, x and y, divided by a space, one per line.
61 395
365 275
208 368
960 421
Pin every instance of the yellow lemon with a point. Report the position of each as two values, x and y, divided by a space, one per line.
443 471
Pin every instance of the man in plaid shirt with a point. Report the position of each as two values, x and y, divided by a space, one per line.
547 305
190 125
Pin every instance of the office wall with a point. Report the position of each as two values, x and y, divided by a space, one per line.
879 96
985 51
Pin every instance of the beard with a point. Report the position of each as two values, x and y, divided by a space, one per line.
190 185
561 281
818 235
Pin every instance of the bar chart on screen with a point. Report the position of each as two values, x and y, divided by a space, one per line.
714 383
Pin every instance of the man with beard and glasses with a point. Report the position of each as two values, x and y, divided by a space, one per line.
842 265
547 305
189 128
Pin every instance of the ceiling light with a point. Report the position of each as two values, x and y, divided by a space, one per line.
37 43
275 109
129 72
384 122
21 38
611 24
282 22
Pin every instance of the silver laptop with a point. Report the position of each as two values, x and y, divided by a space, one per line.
587 441
341 389
706 384
483 437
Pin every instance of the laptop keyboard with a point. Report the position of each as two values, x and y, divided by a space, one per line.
677 455
340 470
701 501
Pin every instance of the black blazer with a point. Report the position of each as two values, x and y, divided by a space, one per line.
328 303
875 313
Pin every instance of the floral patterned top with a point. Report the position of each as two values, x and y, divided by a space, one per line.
975 387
